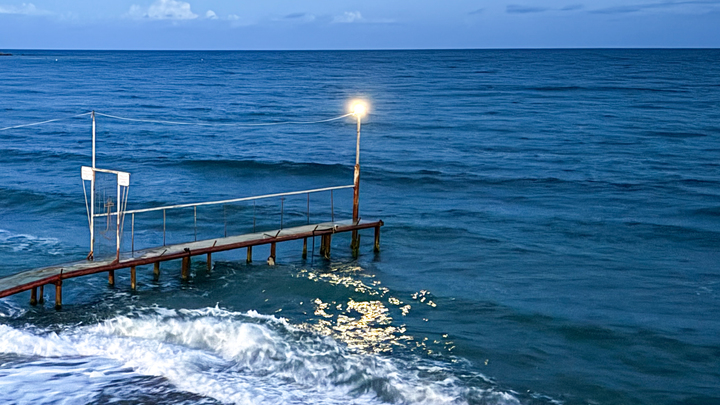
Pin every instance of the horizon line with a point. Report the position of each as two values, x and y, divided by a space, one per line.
359 49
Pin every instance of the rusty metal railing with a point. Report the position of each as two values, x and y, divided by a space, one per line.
164 209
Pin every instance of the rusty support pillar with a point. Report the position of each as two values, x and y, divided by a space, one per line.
133 284
185 270
58 295
355 245
33 296
156 271
111 278
249 254
377 239
304 253
209 263
322 245
326 250
41 299
271 259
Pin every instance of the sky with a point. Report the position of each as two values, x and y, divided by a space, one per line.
367 24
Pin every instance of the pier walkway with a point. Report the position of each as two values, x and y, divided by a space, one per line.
54 275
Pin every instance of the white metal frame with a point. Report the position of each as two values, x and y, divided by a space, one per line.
123 180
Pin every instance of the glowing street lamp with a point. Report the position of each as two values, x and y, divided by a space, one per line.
359 108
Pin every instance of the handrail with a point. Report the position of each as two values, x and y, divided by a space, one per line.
167 207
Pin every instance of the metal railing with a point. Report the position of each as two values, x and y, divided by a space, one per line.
164 209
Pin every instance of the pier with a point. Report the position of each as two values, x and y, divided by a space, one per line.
35 280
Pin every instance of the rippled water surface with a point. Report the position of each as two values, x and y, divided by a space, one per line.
552 227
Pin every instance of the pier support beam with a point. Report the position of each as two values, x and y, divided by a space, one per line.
271 259
325 246
209 263
111 278
133 284
41 299
156 271
249 254
355 244
377 239
58 295
185 269
33 296
304 253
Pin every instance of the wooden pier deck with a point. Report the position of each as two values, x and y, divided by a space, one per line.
54 275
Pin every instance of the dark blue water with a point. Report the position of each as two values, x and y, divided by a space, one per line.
552 227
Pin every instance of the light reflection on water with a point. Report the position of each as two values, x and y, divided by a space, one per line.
366 325
363 326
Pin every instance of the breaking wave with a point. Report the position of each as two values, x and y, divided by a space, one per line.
241 358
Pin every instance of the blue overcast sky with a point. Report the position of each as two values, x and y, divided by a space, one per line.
367 24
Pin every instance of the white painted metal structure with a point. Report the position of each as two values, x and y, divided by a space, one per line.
123 180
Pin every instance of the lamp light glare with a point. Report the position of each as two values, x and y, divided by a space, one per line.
359 109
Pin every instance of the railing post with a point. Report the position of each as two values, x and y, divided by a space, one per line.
195 210
163 227
132 233
225 219
282 211
304 251
117 222
332 207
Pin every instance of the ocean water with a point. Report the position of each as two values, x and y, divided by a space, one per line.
552 227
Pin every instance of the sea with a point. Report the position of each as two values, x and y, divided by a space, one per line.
551 226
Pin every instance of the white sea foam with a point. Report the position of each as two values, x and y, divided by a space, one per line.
10 310
22 242
234 358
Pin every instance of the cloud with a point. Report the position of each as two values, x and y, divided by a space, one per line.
233 17
211 15
355 17
517 9
302 17
617 10
164 10
348 17
24 9
632 8
572 7
478 11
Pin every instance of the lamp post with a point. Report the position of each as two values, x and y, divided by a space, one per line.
91 255
358 111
